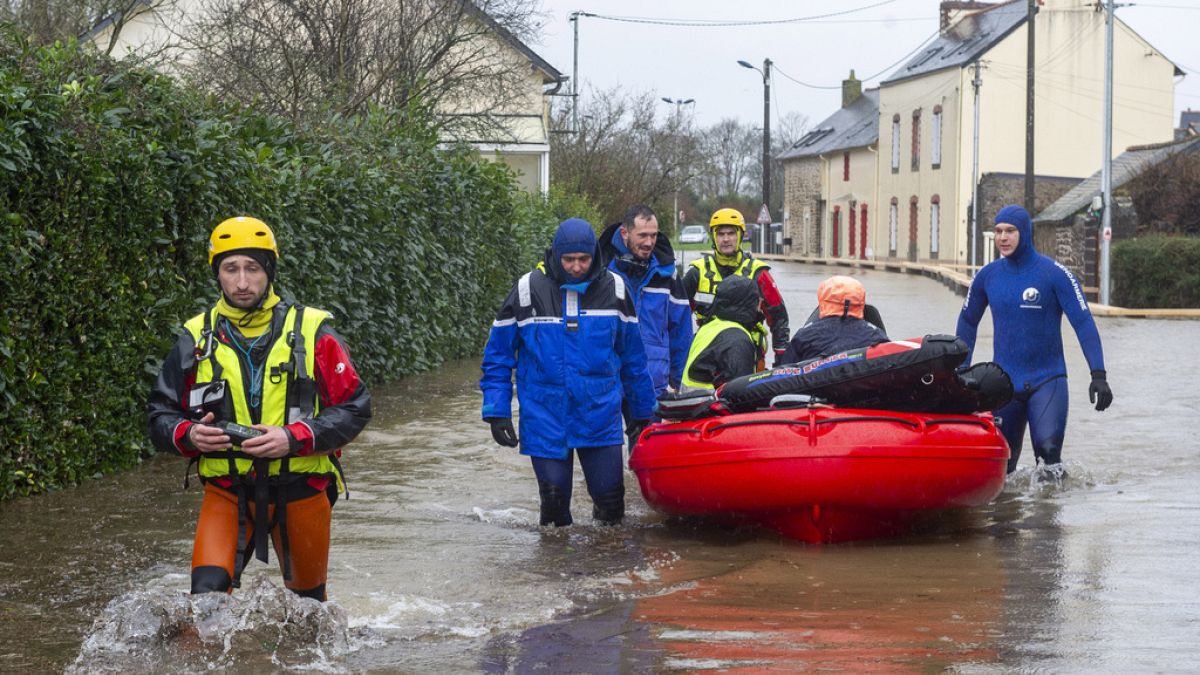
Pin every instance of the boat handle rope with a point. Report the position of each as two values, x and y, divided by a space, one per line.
831 420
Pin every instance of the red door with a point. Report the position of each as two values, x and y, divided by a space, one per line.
862 223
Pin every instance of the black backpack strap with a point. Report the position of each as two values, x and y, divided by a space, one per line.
301 388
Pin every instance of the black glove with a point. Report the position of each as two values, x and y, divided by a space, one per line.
634 429
1098 391
502 431
778 358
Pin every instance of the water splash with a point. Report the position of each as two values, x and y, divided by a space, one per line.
262 626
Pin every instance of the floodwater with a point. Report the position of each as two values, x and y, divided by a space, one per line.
438 564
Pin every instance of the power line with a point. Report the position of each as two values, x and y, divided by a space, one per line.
902 59
1142 4
715 23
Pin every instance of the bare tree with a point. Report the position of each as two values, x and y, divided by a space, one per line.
789 129
1167 196
623 153
730 150
300 57
45 21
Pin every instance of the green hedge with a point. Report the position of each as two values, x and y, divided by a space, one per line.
1156 271
111 178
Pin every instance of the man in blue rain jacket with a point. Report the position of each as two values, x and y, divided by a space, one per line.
634 249
1028 294
570 331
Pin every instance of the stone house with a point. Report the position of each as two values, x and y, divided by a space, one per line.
831 170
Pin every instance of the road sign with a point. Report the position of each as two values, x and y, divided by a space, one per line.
764 216
1108 234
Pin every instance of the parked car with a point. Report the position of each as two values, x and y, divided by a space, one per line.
693 234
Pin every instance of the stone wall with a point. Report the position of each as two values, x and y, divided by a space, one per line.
1075 242
802 204
997 190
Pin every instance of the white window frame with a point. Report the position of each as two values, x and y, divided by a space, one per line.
895 144
935 151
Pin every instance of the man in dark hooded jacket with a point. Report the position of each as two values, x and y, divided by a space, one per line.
634 249
841 324
569 330
1028 294
725 347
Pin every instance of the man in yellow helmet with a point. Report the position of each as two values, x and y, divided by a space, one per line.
261 394
728 227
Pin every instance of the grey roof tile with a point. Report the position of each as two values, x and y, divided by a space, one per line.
854 126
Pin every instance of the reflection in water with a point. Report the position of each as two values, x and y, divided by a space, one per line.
1028 539
437 563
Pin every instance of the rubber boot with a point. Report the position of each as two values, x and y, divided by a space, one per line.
210 579
609 508
556 506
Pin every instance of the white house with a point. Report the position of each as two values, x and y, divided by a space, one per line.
926 111
517 132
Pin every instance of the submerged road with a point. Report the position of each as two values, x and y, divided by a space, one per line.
438 565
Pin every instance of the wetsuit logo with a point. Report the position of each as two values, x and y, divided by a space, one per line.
1030 297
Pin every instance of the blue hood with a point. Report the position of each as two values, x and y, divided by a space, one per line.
1018 216
574 235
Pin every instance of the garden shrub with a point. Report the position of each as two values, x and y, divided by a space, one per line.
112 177
1156 271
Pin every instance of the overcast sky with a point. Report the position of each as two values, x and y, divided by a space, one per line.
701 62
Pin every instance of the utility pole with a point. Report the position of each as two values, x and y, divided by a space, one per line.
766 153
1030 64
976 84
678 103
575 77
1106 170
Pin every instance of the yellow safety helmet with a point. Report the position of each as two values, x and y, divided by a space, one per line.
238 233
726 217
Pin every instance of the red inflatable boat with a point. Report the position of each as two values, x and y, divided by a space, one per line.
822 474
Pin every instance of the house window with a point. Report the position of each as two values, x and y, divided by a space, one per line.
893 224
935 131
916 140
862 232
896 143
836 231
935 222
845 166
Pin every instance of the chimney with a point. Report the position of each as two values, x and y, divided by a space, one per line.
851 90
953 10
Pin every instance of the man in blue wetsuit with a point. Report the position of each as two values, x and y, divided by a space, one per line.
570 331
1028 294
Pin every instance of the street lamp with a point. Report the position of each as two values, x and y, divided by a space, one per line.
678 103
766 151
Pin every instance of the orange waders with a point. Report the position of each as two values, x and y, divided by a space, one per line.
216 545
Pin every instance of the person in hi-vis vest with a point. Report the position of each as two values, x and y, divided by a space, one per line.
700 282
261 395
725 346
